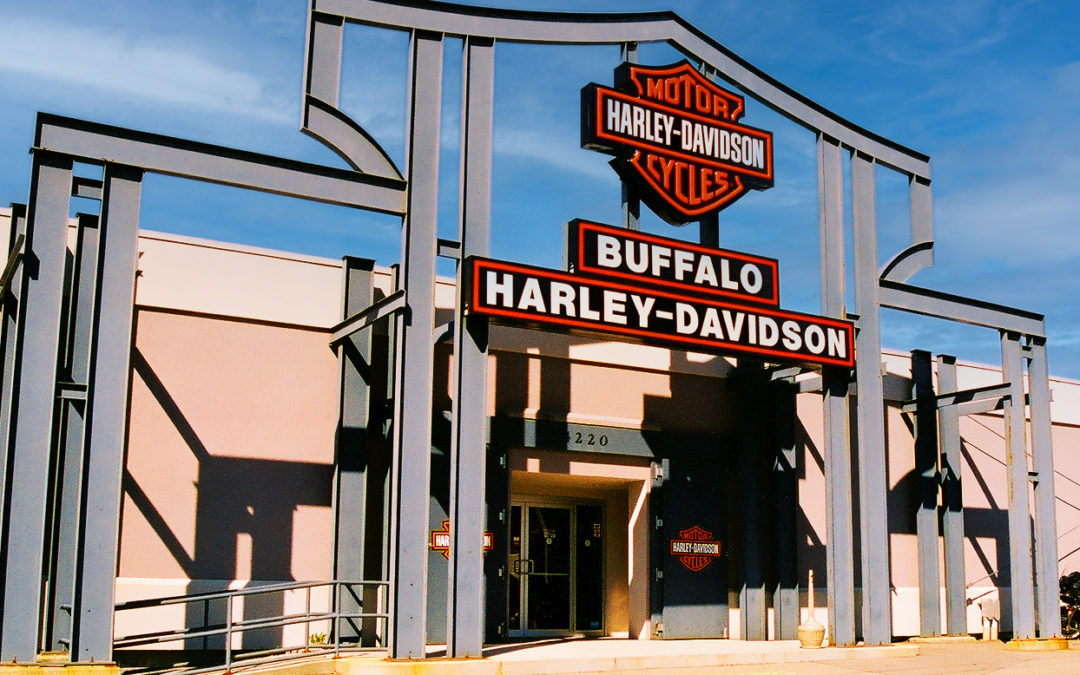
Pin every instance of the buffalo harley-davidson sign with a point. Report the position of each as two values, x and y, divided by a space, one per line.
677 136
661 291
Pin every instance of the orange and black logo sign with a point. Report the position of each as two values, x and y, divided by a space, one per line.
440 540
677 135
695 548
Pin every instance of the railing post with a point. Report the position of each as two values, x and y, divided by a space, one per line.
337 616
228 633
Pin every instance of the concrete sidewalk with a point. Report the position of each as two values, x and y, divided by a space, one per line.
652 657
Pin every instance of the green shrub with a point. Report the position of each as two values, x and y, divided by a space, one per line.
1069 586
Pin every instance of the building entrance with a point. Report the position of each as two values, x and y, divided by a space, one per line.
556 568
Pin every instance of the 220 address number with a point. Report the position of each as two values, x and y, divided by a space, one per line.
590 439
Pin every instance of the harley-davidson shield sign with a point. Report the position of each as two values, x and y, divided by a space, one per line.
676 135
695 548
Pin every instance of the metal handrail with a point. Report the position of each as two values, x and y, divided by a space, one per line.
232 626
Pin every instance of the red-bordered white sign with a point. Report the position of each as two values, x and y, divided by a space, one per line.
672 264
562 301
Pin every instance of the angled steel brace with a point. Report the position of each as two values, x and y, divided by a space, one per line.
990 392
906 263
391 304
347 138
443 332
14 259
320 117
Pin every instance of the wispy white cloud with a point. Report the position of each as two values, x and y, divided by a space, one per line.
540 146
116 64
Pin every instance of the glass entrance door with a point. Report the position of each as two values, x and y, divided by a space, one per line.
556 581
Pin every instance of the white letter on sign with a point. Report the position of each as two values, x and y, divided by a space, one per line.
607 251
686 318
505 288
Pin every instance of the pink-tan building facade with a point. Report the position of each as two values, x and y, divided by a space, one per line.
229 477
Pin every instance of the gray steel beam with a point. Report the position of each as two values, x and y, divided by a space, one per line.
926 513
352 451
37 350
631 201
63 591
840 553
468 453
786 500
415 354
1046 557
106 412
367 316
983 406
620 28
991 394
965 310
1020 566
87 188
952 501
873 490
9 303
93 143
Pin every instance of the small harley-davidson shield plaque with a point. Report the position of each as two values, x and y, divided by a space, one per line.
695 548
677 136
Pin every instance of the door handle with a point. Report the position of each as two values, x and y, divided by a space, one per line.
523 566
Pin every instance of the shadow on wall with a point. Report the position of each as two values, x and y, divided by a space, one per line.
237 499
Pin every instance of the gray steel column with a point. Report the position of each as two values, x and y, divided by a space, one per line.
38 342
1046 556
106 412
631 202
10 306
952 520
926 513
840 548
922 221
414 354
870 411
753 609
63 591
352 461
1021 577
323 61
465 596
709 230
786 504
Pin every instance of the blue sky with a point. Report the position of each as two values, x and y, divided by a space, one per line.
990 90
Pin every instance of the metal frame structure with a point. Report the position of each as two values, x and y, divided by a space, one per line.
874 289
68 524
47 355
